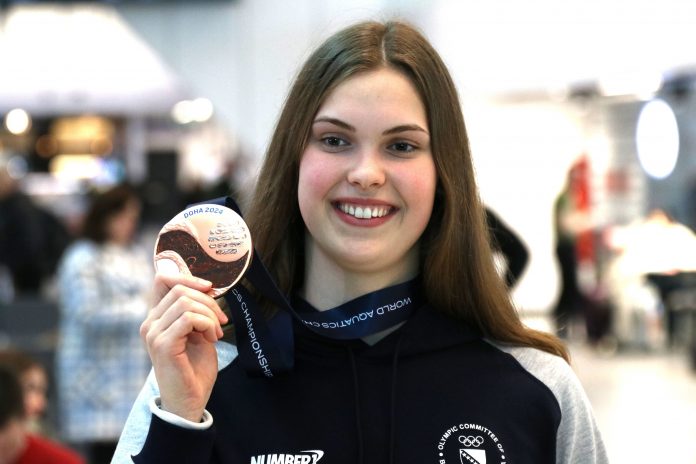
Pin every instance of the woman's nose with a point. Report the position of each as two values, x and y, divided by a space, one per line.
367 171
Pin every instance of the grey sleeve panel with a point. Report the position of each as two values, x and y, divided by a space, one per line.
138 423
578 438
135 430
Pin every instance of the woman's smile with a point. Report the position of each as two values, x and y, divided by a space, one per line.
364 213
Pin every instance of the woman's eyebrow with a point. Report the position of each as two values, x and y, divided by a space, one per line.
336 122
393 130
404 128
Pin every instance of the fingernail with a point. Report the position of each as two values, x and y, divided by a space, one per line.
205 282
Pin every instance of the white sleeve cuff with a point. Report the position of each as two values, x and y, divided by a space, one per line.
205 423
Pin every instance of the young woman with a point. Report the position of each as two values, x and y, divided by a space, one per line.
18 444
367 190
104 286
33 378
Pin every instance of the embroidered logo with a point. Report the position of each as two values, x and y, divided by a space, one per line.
305 457
469 443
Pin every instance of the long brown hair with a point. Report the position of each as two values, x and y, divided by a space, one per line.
456 262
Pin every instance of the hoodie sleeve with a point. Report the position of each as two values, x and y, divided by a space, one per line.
146 435
138 423
148 438
174 444
578 439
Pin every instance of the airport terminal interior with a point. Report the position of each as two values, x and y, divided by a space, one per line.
581 117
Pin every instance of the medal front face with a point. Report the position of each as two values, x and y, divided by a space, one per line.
207 241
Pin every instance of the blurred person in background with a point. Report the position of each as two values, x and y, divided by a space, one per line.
509 246
103 283
31 239
647 251
33 378
569 222
18 445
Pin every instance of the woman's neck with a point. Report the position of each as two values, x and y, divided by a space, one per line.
327 285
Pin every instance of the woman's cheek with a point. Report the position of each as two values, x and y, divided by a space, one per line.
314 182
417 187
317 174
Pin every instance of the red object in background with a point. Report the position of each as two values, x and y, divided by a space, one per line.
42 451
580 194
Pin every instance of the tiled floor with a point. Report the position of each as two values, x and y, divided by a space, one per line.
644 403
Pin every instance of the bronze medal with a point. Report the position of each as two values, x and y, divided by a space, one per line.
207 241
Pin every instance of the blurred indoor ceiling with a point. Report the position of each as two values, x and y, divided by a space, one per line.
541 47
78 57
62 59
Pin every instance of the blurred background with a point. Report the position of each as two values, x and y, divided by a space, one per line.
582 120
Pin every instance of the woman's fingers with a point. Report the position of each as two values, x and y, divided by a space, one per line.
185 304
180 291
165 281
190 322
182 301
169 288
172 339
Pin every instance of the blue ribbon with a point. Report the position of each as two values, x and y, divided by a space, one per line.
266 348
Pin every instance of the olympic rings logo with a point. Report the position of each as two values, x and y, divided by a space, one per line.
470 440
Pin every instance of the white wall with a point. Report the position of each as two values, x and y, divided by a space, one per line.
243 54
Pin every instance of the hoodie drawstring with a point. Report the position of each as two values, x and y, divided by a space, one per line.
392 403
356 392
392 399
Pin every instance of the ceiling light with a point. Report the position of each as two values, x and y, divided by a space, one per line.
17 121
657 139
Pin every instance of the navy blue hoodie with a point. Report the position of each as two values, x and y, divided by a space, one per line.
432 391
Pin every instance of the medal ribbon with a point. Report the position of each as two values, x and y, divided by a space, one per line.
266 348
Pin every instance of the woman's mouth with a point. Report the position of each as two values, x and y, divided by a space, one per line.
364 211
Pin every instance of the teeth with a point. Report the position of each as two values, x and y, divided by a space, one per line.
364 212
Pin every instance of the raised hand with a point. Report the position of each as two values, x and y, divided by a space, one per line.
180 332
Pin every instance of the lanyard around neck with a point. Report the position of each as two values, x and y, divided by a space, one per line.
266 348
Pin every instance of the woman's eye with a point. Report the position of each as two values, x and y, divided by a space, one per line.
334 142
403 147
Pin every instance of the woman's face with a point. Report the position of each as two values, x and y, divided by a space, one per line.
367 176
121 227
34 386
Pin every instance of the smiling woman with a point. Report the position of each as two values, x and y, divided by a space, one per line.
367 214
368 152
